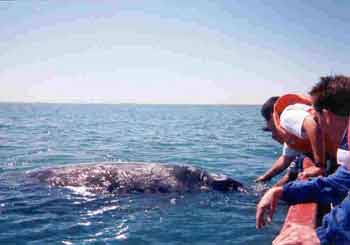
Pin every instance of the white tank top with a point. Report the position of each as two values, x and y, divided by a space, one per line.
292 119
343 154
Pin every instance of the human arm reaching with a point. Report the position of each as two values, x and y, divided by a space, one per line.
323 190
280 164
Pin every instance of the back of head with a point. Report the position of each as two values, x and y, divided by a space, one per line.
267 107
332 93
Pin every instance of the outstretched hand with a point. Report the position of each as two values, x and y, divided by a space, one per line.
267 206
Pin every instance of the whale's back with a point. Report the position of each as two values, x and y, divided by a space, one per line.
135 177
125 177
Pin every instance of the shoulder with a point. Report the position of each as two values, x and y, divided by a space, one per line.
309 122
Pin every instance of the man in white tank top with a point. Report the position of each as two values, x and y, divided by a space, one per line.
292 120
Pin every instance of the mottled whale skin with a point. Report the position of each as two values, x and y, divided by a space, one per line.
135 177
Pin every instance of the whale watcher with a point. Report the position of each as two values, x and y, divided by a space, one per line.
293 122
331 100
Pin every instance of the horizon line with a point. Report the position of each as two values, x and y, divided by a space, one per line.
124 103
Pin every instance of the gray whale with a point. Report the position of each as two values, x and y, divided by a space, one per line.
135 177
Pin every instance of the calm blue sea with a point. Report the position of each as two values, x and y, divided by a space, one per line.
223 139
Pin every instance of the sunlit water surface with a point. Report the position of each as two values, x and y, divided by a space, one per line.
221 139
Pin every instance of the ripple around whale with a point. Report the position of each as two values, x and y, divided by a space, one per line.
134 177
221 139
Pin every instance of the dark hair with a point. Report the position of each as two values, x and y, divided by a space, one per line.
267 107
332 93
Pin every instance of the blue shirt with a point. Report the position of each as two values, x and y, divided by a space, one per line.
323 190
333 189
335 228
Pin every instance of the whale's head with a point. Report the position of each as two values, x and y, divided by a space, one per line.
224 183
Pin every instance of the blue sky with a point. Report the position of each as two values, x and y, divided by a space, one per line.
181 52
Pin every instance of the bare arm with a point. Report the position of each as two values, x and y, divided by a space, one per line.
267 206
294 233
314 134
280 164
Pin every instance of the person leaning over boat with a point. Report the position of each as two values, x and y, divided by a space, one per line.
331 99
292 124
288 154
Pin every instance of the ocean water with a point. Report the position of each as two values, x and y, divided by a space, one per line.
221 139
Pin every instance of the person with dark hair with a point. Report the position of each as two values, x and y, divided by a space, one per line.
332 94
267 109
331 99
291 123
288 154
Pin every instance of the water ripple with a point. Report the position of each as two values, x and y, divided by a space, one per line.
224 139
